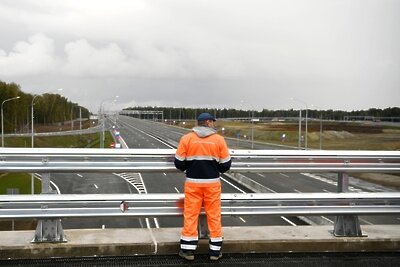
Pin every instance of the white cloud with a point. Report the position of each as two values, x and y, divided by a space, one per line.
29 58
262 51
83 59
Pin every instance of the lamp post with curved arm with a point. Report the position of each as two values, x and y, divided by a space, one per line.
2 118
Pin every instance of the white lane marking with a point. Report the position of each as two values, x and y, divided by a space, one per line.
287 176
284 218
156 223
243 220
164 174
234 186
297 191
176 189
288 221
51 182
79 175
56 187
262 175
365 221
147 135
326 180
327 191
95 185
327 219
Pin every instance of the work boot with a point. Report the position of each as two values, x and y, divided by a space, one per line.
187 255
215 258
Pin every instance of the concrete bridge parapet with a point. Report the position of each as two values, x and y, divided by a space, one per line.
165 241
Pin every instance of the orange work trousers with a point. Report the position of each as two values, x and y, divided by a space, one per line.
196 196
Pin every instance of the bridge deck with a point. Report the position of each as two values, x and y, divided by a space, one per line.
164 241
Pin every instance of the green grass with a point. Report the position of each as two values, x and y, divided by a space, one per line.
22 181
70 141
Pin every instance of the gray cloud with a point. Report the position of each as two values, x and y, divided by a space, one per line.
329 53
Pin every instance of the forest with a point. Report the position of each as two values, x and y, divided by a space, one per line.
48 108
373 114
54 108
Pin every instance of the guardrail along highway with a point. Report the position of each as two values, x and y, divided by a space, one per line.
133 196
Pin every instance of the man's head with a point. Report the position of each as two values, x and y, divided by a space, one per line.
206 119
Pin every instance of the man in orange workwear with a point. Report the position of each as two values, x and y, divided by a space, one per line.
203 155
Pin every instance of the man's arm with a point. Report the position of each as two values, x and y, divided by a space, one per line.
180 164
225 159
180 156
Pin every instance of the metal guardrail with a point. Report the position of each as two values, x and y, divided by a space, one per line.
164 205
154 160
50 208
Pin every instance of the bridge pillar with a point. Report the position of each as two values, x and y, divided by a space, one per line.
346 225
48 230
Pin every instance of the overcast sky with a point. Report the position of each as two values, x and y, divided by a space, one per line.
332 54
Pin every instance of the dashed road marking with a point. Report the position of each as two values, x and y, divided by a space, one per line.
329 181
365 221
327 219
135 179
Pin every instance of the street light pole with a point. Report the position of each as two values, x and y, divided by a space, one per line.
2 119
299 142
32 123
32 138
80 118
320 130
252 129
102 136
306 144
294 99
320 126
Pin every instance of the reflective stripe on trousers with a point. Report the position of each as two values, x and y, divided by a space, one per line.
196 196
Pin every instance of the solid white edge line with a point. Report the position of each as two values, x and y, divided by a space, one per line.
288 221
234 186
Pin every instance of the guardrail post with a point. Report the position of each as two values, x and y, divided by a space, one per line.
346 225
48 230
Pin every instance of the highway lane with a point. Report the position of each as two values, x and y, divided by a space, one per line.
277 182
132 131
95 183
313 183
135 135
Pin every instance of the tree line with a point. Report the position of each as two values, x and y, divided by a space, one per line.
48 109
176 113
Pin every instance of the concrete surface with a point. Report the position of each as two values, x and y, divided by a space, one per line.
261 239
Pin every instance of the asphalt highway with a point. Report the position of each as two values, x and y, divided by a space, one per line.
148 134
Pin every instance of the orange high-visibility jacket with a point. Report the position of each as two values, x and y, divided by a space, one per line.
203 154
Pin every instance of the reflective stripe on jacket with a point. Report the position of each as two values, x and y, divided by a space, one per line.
203 154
